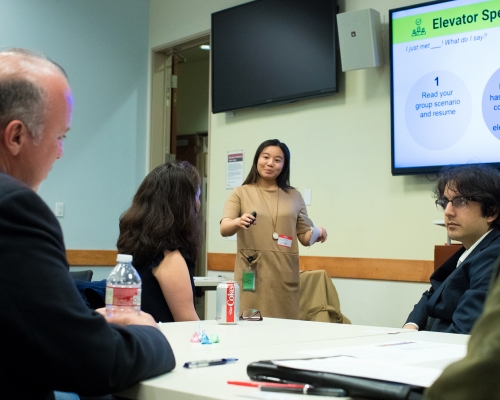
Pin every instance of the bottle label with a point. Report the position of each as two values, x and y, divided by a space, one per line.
127 297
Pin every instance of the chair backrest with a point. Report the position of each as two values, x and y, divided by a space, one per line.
428 325
319 300
85 276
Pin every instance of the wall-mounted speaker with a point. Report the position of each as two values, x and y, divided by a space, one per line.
360 39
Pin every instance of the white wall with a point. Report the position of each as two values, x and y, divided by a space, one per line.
340 147
377 303
374 303
103 46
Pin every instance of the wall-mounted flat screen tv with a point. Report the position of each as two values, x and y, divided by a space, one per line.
273 51
445 85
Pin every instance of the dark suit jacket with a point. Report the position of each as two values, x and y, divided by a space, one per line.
456 297
476 375
49 339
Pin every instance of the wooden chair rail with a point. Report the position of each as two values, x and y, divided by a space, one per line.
91 257
345 267
337 267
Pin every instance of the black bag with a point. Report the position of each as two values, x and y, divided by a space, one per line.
354 386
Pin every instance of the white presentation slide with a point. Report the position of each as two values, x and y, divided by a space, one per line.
446 84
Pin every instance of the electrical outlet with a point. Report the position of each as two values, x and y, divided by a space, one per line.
59 209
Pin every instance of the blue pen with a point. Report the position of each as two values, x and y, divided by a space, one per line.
209 363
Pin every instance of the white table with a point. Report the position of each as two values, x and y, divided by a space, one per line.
209 282
251 341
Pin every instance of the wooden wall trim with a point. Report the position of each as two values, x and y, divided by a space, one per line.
220 261
95 258
336 267
345 267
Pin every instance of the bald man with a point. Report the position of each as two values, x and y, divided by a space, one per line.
50 339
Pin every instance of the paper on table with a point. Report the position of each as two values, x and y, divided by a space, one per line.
418 376
385 361
397 352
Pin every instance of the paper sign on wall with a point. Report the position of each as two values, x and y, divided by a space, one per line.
234 175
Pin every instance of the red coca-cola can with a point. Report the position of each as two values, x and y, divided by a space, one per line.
228 303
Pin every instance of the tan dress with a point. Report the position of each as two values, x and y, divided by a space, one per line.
277 289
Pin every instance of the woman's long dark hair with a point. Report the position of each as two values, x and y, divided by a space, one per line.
283 179
163 215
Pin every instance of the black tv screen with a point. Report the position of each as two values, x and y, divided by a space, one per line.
445 85
273 51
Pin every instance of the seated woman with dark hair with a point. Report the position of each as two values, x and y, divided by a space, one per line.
162 231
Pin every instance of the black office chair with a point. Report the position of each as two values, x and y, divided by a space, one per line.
85 276
428 325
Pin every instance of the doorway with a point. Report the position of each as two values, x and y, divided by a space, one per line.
180 116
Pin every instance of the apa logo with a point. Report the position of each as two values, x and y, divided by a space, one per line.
419 30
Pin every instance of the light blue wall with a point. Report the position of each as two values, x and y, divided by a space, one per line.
103 46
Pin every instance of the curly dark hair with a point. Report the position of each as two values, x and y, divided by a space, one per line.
481 183
283 179
163 215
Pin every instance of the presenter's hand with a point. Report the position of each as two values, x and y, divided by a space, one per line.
411 327
130 319
246 221
322 235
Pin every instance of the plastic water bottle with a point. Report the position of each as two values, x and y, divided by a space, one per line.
123 288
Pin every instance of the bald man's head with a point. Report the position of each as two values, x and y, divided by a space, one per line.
22 93
35 113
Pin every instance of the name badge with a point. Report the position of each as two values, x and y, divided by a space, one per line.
248 280
285 241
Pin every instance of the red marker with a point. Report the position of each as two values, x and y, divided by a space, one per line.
265 384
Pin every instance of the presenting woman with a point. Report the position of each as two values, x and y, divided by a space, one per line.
267 261
162 231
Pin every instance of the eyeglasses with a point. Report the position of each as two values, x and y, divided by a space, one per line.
251 314
457 202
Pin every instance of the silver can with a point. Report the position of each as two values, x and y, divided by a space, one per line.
228 303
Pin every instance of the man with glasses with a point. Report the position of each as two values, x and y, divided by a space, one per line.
470 199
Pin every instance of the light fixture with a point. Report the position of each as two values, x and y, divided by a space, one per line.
205 47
